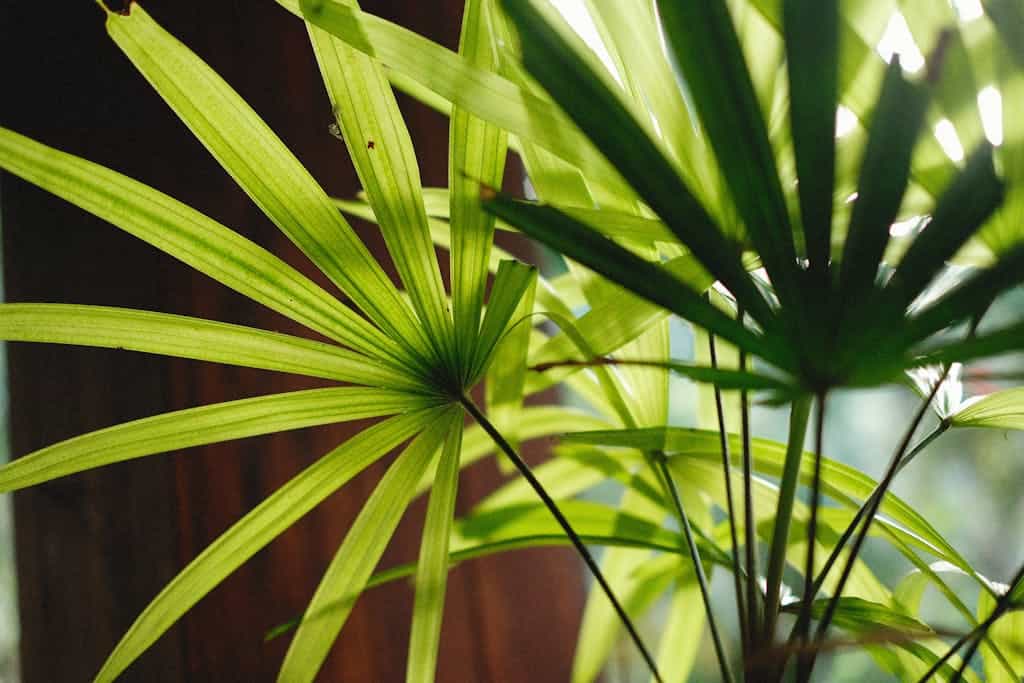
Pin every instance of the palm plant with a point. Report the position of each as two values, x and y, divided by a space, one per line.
654 193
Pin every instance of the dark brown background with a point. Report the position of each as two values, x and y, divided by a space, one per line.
94 548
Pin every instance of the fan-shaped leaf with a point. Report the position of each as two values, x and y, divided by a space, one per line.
359 553
261 164
193 238
257 529
209 424
185 337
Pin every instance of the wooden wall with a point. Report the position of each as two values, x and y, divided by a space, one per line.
93 549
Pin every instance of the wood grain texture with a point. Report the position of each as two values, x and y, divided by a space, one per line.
93 549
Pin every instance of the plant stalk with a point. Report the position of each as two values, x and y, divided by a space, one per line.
872 505
723 438
852 526
577 542
669 482
798 418
749 518
805 661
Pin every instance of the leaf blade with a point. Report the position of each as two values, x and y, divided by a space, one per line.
812 62
705 48
353 564
651 282
257 529
261 164
379 145
476 153
187 337
432 565
204 425
601 115
191 237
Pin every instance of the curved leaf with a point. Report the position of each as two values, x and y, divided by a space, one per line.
999 410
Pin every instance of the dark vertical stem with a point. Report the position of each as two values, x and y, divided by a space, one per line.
862 510
723 438
577 542
804 662
872 505
798 418
698 567
749 518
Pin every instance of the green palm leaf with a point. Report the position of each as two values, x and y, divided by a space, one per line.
185 337
354 561
432 566
476 155
193 238
251 533
208 424
381 149
263 167
600 113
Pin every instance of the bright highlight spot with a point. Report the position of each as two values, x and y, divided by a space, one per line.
990 104
968 10
909 226
945 133
846 121
897 41
575 14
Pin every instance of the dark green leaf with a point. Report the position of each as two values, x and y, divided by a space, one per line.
812 55
969 298
884 172
963 208
578 241
600 113
707 53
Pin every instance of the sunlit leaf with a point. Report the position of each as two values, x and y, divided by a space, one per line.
381 150
476 155
353 563
208 424
261 164
432 565
185 337
251 533
195 239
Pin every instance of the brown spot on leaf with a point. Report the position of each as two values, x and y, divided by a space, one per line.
370 145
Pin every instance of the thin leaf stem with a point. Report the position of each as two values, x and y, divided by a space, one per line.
669 482
749 524
871 511
730 504
577 542
804 661
854 523
977 634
